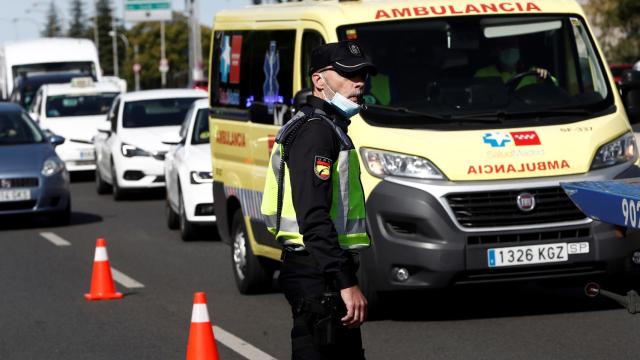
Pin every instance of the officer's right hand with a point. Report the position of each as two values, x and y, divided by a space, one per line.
356 307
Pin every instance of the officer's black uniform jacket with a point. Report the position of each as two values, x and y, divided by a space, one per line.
312 196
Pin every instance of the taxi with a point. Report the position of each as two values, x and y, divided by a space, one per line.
74 110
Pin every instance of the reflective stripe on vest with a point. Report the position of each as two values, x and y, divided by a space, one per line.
347 207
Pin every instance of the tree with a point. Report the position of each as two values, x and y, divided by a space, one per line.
77 27
618 28
105 48
53 27
147 36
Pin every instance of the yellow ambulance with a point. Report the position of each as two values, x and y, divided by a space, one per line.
480 109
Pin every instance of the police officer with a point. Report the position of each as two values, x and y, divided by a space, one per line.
314 204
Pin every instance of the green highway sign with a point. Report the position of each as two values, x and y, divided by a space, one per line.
147 10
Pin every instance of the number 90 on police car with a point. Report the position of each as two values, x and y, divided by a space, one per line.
535 254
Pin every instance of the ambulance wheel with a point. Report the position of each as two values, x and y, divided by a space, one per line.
249 272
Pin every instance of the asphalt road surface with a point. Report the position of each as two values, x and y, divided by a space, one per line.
43 314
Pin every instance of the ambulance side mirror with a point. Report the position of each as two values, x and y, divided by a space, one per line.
300 99
630 91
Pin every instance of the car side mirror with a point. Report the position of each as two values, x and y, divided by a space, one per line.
104 127
56 140
630 91
301 98
172 139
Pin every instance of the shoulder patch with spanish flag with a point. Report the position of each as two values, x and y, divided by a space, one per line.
322 167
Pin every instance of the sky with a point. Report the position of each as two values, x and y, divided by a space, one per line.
21 20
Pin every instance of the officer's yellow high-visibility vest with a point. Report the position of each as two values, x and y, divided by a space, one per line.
348 205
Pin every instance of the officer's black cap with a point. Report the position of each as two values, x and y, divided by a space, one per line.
344 56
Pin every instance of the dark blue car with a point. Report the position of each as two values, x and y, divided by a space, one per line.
33 179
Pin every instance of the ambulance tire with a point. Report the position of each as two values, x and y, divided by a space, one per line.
251 274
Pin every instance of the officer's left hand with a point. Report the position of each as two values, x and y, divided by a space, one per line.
356 307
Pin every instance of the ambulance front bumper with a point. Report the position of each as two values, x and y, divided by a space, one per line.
414 228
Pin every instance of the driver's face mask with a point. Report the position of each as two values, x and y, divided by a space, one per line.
346 106
510 57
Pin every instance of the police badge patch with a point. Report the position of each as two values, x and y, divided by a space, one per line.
322 167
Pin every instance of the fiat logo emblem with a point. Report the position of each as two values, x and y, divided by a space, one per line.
526 202
5 184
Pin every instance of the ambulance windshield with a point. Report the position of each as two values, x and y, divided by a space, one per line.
476 70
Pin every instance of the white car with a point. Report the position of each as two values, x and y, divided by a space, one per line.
129 149
187 169
74 110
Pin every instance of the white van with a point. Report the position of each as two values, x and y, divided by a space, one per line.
46 55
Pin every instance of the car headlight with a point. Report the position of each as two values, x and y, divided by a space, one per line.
383 163
201 177
620 150
52 166
131 151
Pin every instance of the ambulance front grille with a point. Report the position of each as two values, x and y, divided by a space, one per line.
500 208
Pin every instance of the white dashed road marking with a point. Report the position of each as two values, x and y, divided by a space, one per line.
240 346
55 239
125 280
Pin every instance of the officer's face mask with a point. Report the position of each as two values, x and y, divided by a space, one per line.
346 106
510 57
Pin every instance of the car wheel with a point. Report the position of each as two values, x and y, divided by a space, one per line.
118 193
251 275
102 187
188 230
62 218
172 217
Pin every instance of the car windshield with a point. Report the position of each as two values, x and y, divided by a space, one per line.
464 70
156 112
17 128
201 128
78 105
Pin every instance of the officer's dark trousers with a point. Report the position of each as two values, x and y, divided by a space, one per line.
299 278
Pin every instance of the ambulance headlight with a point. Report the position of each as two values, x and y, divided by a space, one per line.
384 163
620 150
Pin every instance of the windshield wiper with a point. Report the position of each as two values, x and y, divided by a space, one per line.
433 117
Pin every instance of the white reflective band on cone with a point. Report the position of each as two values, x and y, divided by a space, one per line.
101 254
200 314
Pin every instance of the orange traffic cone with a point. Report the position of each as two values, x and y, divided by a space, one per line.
202 343
102 287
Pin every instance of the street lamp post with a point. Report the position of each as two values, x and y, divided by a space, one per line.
163 57
114 45
127 44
